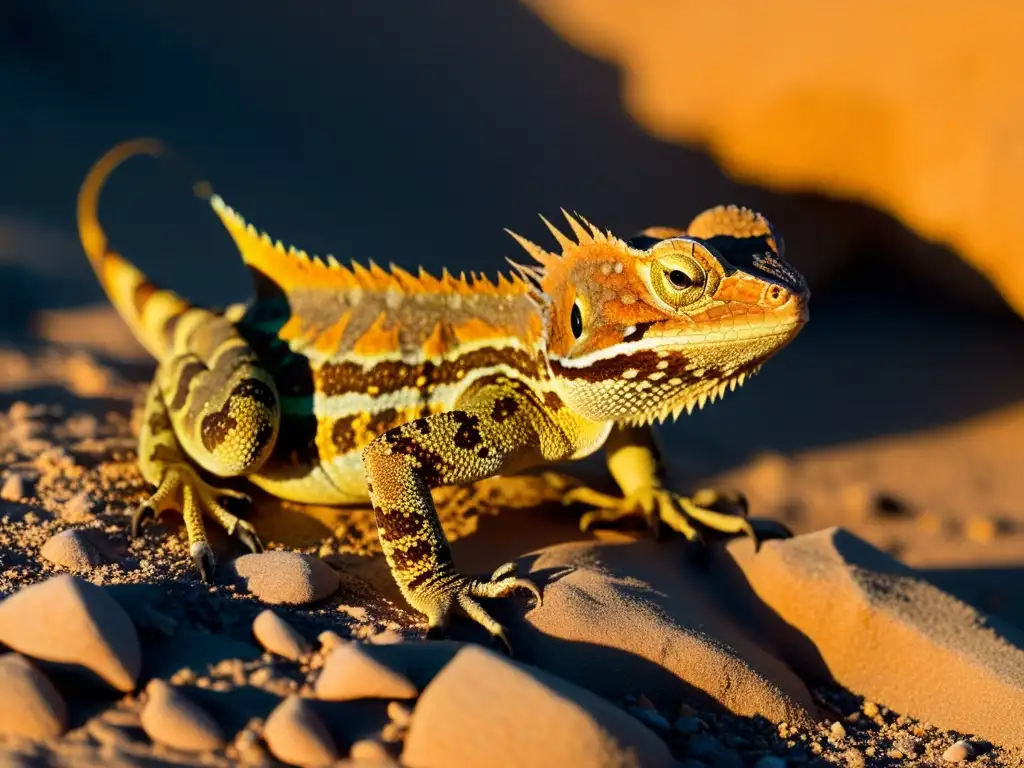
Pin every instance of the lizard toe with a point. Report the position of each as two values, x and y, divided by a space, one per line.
246 534
143 515
203 557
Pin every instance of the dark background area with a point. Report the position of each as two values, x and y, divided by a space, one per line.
414 133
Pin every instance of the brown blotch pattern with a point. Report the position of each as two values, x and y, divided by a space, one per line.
416 554
504 408
343 435
468 433
614 367
396 525
391 375
382 421
215 427
429 464
256 390
553 402
188 372
164 454
160 422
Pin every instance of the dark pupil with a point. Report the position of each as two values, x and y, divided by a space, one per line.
576 320
680 279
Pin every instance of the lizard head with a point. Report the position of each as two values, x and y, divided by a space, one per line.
668 320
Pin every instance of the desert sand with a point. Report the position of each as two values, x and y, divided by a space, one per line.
835 645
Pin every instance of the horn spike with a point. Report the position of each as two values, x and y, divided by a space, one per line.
582 236
539 255
564 242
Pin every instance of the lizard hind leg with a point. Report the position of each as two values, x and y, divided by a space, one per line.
180 488
211 404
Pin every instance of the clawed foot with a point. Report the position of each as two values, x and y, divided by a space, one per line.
723 512
460 593
182 489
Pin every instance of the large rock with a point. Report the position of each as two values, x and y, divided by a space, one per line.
483 710
885 633
900 105
630 618
70 621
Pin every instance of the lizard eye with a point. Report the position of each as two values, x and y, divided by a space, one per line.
576 320
678 281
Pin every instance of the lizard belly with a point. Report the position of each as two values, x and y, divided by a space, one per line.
295 471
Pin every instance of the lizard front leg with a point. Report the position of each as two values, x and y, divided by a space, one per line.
499 428
212 404
635 462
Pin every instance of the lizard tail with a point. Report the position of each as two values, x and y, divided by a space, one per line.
149 311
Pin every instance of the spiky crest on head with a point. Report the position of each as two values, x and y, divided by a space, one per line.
646 328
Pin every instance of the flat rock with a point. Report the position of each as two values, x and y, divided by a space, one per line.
171 718
887 634
350 672
72 550
296 735
288 578
484 710
278 636
629 617
70 621
30 707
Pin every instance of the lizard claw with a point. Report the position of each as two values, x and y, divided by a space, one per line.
143 514
203 557
462 593
246 534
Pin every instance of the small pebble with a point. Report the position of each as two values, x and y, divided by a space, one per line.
296 735
650 717
67 620
350 672
70 549
30 707
278 636
959 752
369 751
78 509
170 718
399 713
329 639
289 578
870 708
837 729
687 724
711 750
13 488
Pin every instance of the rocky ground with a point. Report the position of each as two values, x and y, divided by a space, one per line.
820 649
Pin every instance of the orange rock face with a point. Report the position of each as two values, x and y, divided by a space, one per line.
916 108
